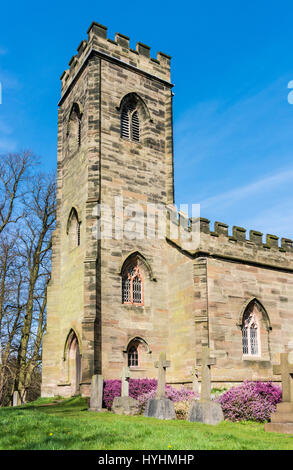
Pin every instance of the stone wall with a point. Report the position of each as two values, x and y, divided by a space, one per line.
85 289
230 286
138 172
229 272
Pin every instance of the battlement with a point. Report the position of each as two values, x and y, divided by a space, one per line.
234 245
116 50
238 234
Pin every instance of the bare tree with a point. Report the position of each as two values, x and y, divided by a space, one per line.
11 306
39 220
14 168
27 221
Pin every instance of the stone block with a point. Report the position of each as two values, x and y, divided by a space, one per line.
282 417
283 428
125 406
207 412
285 407
161 408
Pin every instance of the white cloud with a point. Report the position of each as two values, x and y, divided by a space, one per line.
235 158
264 185
247 128
278 219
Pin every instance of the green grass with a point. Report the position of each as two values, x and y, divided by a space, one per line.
66 424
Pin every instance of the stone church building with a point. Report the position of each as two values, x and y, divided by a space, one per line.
117 300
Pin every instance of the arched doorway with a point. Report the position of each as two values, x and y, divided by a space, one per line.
73 359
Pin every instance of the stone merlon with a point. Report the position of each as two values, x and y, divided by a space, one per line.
116 50
237 246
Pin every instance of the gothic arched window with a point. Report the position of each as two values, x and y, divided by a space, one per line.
129 122
74 128
132 354
132 284
73 229
250 333
138 354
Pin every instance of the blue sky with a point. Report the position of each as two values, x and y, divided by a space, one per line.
231 65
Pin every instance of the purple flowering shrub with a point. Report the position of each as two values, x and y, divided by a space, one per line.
253 401
142 390
137 387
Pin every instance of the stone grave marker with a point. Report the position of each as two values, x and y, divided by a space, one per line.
161 407
195 383
205 410
97 388
125 405
282 419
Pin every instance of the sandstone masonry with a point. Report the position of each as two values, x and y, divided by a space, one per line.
190 297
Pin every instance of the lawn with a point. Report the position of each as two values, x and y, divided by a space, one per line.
68 425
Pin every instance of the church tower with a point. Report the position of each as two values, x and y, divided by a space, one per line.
108 296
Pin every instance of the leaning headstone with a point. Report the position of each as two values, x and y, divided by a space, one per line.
96 400
205 410
282 419
161 407
125 405
16 398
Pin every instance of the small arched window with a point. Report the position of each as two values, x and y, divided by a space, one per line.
138 354
73 229
132 284
74 128
129 122
250 333
133 356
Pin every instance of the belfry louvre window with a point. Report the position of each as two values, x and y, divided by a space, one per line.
129 123
250 334
125 128
135 126
78 234
132 286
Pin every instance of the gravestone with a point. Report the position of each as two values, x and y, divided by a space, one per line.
97 388
282 419
16 398
195 383
125 405
205 410
161 407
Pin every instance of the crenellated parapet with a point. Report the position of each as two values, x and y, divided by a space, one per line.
232 244
116 50
239 235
